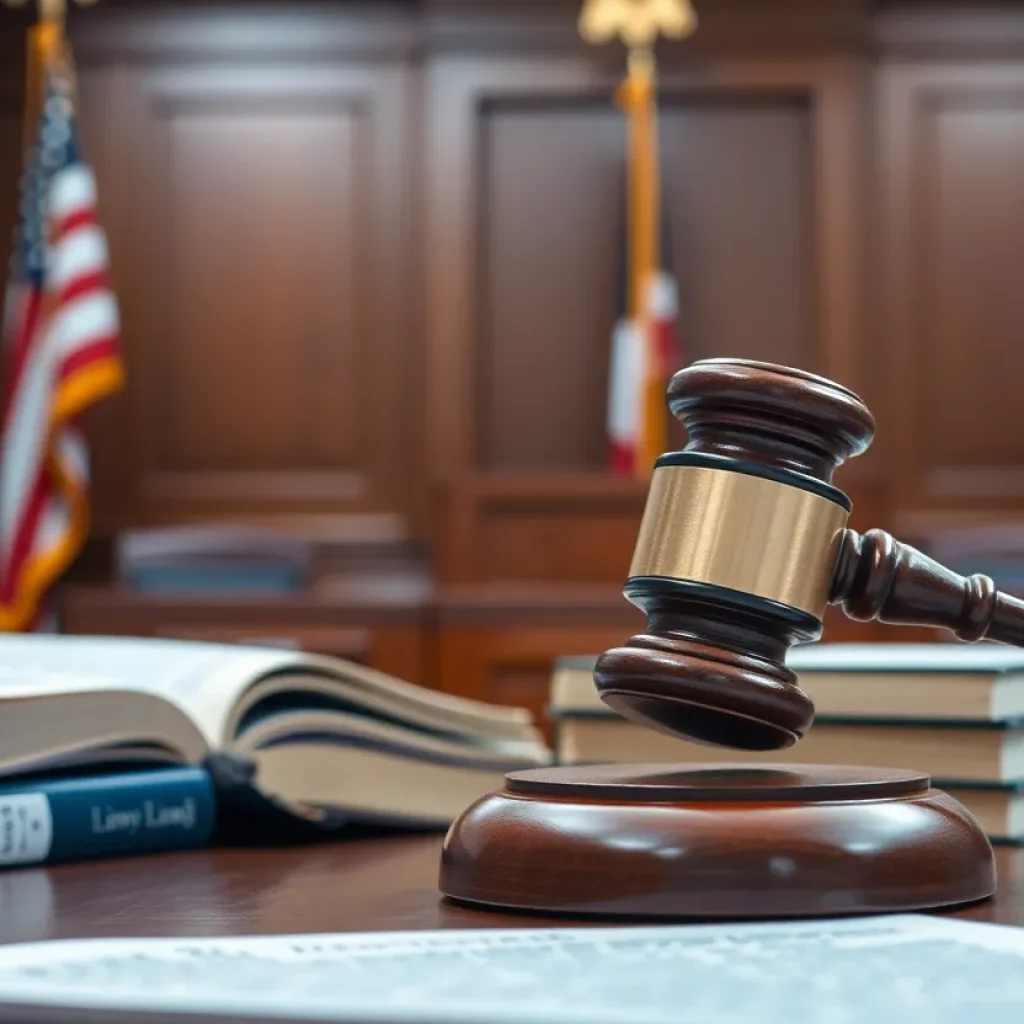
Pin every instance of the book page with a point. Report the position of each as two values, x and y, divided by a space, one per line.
204 680
207 680
885 970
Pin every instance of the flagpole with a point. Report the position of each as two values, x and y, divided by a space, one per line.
640 90
44 40
639 24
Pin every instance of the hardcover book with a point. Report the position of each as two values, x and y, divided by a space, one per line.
46 819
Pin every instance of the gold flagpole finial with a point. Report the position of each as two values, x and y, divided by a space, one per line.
53 10
638 23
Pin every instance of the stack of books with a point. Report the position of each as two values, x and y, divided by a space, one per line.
953 711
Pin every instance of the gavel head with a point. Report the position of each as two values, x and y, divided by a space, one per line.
736 554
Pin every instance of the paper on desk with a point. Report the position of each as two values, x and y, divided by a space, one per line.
879 970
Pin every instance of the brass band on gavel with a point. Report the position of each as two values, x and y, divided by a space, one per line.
743 532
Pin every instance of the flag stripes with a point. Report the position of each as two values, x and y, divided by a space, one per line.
61 338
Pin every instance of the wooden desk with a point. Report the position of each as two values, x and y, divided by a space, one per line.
365 885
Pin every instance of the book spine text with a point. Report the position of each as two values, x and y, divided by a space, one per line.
105 815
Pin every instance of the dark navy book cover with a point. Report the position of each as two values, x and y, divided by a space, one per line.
47 820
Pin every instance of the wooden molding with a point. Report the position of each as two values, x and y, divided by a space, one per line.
725 25
538 528
391 29
366 605
945 30
296 30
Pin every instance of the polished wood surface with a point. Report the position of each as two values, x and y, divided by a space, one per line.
776 416
360 885
878 577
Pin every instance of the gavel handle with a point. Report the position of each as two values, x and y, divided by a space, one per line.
877 577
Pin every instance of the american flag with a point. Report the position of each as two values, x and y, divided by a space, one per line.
60 337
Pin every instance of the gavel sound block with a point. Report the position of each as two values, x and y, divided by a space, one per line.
743 545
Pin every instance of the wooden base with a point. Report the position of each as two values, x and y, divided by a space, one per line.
735 841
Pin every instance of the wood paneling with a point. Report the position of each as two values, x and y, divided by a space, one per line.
525 177
953 220
276 199
386 631
500 643
742 26
514 666
739 182
261 232
842 182
202 31
738 207
546 528
296 345
760 173
551 179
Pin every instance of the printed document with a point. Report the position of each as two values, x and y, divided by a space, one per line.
883 970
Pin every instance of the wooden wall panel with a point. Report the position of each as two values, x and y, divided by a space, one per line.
546 528
739 183
500 643
288 222
524 178
954 311
272 241
550 233
255 170
738 202
514 665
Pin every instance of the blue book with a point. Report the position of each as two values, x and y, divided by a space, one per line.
49 819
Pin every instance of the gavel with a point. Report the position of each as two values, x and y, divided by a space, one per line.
744 545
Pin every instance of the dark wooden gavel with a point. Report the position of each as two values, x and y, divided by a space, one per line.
744 545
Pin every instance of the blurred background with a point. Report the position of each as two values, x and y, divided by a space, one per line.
369 262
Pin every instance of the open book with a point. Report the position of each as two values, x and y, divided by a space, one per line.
318 738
